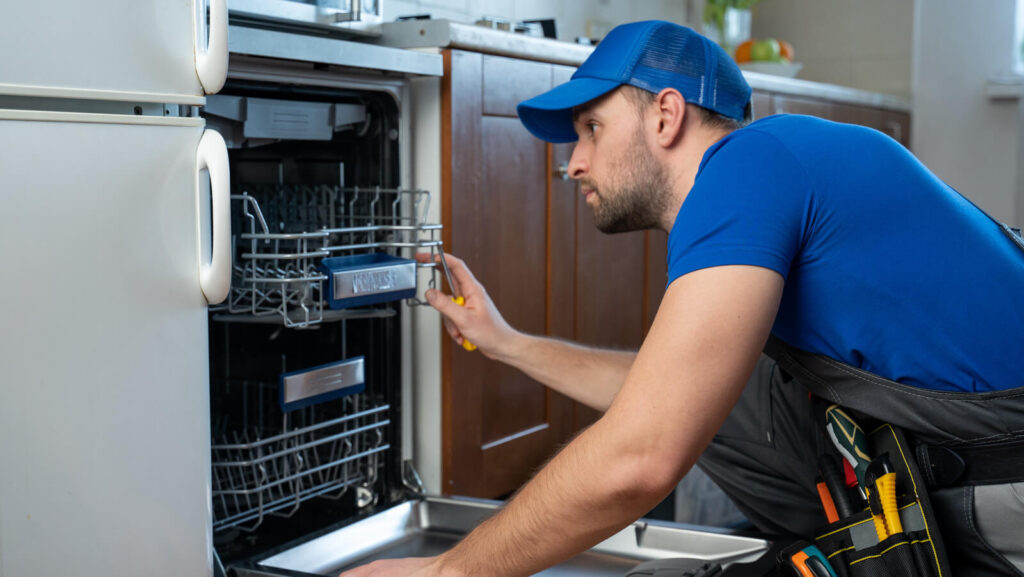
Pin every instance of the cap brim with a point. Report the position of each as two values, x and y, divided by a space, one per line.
549 116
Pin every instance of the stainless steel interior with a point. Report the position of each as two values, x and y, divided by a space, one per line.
433 525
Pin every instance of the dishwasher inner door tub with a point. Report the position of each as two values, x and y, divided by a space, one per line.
432 525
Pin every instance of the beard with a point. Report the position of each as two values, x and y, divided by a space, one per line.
638 197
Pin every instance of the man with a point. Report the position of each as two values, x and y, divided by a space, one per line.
831 238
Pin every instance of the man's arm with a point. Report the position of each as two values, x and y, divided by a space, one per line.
692 367
589 375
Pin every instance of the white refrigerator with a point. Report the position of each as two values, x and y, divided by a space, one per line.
113 217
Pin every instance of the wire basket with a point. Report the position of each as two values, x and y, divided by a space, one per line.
263 471
282 234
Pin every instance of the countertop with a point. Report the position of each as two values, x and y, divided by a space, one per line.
448 34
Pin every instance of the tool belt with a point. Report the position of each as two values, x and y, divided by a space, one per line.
854 546
930 439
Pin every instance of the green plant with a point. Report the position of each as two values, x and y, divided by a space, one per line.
714 12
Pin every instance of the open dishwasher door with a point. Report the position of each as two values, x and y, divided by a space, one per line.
432 525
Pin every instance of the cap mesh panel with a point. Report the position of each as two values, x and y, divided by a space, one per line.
674 56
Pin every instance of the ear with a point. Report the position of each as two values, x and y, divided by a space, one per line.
670 107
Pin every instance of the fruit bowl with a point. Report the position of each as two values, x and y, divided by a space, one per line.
784 69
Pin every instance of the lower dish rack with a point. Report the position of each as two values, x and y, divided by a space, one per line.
283 234
260 470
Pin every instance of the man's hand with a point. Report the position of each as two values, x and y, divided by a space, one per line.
410 567
479 320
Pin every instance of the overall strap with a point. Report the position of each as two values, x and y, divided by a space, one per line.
1014 234
961 438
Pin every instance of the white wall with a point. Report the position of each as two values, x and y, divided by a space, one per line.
969 140
865 44
588 18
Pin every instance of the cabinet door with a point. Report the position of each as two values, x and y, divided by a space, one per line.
498 425
529 237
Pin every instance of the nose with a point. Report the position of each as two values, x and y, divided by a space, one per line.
579 165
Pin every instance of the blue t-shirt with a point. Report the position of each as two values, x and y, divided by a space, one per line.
886 267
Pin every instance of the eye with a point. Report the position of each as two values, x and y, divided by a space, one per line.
591 128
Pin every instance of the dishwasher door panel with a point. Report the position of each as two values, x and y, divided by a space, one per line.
433 525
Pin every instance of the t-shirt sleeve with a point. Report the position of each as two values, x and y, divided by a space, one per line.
750 205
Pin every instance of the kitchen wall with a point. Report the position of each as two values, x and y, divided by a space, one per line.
865 44
971 141
575 18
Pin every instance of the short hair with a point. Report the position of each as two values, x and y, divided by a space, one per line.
641 98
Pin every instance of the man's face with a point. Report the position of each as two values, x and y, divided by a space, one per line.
619 176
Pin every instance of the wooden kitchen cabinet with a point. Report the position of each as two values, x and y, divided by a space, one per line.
529 238
892 122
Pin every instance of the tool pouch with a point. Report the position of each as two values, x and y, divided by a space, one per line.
851 545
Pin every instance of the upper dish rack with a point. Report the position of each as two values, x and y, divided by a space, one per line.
283 233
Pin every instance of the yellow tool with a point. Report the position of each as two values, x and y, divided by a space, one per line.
881 478
456 298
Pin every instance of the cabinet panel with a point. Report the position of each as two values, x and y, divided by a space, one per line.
893 123
514 239
809 106
657 274
498 424
462 396
507 82
897 125
610 277
761 102
562 222
562 195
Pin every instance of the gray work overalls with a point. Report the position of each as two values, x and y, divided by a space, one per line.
969 447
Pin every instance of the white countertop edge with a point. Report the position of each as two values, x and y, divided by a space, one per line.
448 34
831 92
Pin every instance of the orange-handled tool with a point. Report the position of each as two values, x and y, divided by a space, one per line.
456 298
826 502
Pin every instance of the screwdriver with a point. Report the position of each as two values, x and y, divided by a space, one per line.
827 503
850 440
835 486
811 562
456 298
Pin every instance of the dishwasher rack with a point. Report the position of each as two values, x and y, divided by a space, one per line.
282 233
260 470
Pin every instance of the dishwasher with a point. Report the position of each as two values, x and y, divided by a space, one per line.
312 472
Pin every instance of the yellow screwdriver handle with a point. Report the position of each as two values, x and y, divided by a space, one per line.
465 342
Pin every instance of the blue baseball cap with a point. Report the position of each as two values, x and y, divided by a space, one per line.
651 55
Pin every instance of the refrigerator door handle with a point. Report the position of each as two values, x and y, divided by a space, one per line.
215 276
212 49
